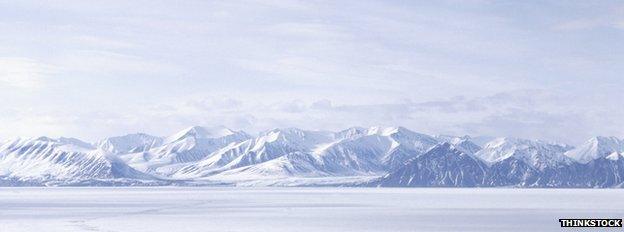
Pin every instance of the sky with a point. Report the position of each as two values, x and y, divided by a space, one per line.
549 70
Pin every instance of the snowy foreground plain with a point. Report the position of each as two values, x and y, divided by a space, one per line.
301 209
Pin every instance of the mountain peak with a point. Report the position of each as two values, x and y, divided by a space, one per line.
532 152
407 157
350 133
59 141
75 142
202 132
129 143
595 148
605 139
614 156
295 136
442 146
458 146
397 132
385 131
465 145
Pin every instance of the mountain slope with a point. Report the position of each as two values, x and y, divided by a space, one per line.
267 146
356 152
130 143
377 149
537 154
187 146
378 156
44 159
597 147
442 166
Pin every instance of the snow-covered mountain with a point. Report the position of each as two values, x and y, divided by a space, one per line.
266 147
352 152
130 143
357 156
465 144
181 149
537 154
507 162
443 165
60 160
597 147
521 162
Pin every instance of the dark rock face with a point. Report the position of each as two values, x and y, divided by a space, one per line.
442 166
446 166
511 172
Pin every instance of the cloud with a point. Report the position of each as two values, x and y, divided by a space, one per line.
107 62
608 17
215 103
580 24
525 113
295 106
322 104
586 24
532 113
309 31
24 73
120 68
103 42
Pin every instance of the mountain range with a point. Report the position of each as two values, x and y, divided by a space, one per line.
373 157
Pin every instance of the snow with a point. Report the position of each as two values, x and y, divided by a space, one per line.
614 156
301 209
465 145
129 143
201 132
443 165
274 157
350 133
533 152
596 148
183 149
45 158
383 131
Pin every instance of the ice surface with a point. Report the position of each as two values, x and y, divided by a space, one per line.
300 209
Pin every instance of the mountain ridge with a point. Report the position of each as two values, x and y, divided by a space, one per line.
377 156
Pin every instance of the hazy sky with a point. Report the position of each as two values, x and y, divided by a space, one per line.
537 69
